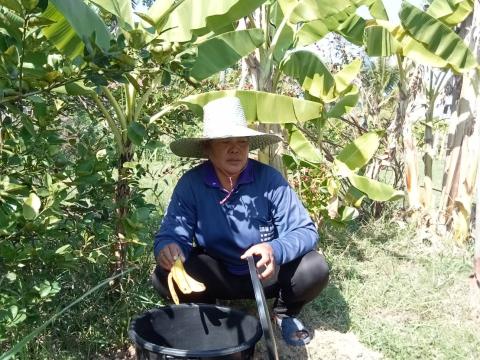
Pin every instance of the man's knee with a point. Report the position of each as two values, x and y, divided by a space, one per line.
314 270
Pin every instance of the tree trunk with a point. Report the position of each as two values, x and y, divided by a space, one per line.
122 198
462 151
428 160
261 71
404 117
476 254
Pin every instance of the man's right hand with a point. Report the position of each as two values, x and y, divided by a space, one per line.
167 256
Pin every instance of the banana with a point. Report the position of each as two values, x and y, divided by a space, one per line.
172 289
185 282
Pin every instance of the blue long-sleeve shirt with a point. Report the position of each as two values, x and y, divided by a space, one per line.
262 207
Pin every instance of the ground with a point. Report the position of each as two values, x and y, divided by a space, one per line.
394 293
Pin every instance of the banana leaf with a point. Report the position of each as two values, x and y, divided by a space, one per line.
122 9
359 152
74 21
437 38
374 189
314 77
224 50
450 12
301 146
199 17
263 107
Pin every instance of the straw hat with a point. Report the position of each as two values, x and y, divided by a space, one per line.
222 119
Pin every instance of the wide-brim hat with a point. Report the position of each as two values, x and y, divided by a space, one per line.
222 119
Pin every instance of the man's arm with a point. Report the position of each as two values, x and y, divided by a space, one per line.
174 239
297 233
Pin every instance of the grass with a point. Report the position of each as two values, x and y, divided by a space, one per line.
402 295
394 294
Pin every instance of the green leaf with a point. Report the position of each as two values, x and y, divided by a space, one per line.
63 249
74 22
146 18
377 10
348 213
47 288
29 5
344 77
5 220
346 103
13 311
28 125
85 167
358 153
437 38
31 206
311 32
450 12
15 316
314 77
77 88
293 164
261 106
341 17
352 29
380 42
44 289
284 39
122 9
301 146
309 10
374 189
224 50
136 132
354 197
12 5
199 17
40 109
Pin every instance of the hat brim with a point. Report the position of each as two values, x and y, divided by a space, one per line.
195 147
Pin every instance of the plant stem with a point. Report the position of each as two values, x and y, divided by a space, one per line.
118 111
116 133
22 55
47 89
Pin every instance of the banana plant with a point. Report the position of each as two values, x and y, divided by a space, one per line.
191 38
461 163
289 26
424 38
293 112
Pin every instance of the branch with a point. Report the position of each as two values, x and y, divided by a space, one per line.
353 123
47 89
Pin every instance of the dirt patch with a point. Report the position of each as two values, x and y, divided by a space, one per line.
326 344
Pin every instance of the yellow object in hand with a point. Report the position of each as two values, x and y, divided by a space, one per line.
185 282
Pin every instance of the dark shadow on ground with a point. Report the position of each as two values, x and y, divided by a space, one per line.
285 352
329 311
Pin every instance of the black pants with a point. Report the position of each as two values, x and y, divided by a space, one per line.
296 283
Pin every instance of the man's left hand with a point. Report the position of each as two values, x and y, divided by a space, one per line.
267 260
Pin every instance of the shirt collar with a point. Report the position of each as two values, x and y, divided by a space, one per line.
211 179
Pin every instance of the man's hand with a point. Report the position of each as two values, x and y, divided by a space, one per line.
167 256
265 251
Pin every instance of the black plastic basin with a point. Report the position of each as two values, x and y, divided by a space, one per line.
195 331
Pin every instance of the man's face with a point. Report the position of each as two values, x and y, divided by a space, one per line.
228 155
